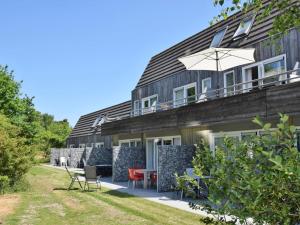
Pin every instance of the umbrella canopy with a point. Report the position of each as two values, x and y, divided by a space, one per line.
218 59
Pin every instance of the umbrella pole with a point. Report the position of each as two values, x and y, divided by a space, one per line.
217 65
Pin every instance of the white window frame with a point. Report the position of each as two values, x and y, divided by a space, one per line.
185 88
150 109
225 82
71 146
135 140
202 84
136 110
100 144
82 145
96 121
237 35
260 66
225 30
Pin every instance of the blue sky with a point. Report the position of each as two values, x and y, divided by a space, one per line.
78 56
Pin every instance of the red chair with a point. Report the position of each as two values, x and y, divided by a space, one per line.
133 176
153 178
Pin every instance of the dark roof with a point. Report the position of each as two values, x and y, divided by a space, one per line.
83 126
166 62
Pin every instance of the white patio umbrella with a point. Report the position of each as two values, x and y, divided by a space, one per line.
218 59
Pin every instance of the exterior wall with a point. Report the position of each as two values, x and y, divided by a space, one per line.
75 156
289 45
171 160
124 158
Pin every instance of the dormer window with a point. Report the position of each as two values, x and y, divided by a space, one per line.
96 122
218 38
244 27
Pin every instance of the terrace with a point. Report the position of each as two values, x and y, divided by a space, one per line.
264 97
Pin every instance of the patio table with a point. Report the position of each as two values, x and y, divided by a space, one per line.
146 173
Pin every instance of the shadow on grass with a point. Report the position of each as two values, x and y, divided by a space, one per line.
118 194
65 189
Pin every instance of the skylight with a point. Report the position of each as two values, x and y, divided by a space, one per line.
96 121
244 27
217 40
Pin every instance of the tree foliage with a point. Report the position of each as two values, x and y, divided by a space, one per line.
258 178
289 17
24 132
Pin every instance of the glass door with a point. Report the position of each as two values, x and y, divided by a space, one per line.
151 154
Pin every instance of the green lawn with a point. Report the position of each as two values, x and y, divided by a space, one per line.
47 202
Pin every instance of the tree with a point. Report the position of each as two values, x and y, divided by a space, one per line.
258 178
289 17
15 155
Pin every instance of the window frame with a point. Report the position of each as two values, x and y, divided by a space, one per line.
261 73
99 143
148 109
136 110
202 84
225 82
135 140
185 94
238 35
82 144
218 31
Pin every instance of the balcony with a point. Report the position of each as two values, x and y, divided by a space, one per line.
264 97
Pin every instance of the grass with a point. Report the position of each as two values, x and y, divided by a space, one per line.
48 202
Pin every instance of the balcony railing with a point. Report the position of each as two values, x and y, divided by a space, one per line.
248 86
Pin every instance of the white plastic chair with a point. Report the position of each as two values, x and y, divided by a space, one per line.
62 161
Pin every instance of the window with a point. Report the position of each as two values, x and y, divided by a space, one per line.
247 136
184 95
206 85
229 82
130 143
272 68
81 145
265 70
99 145
149 104
136 108
218 38
96 122
71 146
244 27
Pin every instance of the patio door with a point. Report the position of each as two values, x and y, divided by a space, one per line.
151 154
252 73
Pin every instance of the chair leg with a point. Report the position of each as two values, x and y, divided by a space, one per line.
71 184
79 182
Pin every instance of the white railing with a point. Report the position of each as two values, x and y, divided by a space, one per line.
261 83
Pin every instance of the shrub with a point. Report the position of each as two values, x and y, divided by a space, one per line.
258 178
15 155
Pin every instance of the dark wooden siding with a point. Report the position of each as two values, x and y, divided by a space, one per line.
289 45
265 103
166 63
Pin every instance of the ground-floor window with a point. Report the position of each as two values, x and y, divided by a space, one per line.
81 145
130 143
99 144
218 138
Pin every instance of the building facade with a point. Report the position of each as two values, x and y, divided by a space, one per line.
173 106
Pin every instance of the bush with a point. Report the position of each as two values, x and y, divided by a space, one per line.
15 155
258 178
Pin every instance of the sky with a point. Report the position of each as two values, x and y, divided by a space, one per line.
79 56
